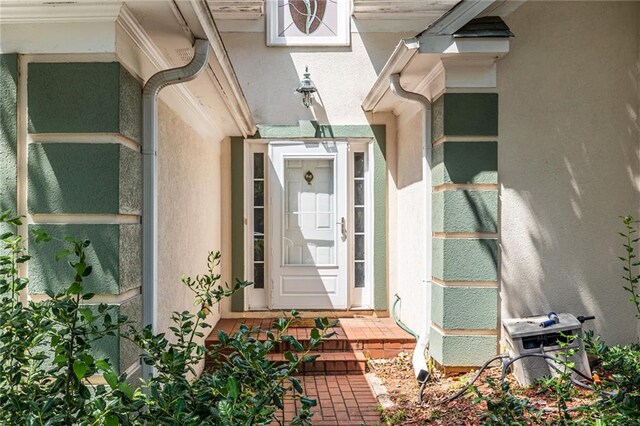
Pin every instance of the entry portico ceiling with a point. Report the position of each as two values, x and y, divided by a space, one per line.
422 61
361 9
146 37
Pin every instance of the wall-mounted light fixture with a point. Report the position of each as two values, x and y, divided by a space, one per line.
307 88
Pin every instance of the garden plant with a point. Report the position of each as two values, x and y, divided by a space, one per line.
50 374
615 389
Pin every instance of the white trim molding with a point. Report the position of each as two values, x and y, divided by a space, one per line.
55 12
236 9
401 9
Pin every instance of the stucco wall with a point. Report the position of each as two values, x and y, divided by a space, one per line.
188 211
343 76
410 226
568 160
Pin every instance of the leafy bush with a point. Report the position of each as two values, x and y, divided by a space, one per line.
51 376
630 261
502 407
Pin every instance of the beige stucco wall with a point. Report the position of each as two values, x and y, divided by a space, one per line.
568 160
343 76
410 224
189 211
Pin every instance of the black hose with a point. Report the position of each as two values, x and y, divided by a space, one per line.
472 381
505 368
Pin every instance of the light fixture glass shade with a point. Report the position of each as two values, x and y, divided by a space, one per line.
307 88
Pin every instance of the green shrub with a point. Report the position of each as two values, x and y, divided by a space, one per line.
630 261
48 365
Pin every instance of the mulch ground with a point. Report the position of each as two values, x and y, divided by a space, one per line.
398 377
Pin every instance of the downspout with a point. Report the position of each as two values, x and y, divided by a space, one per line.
419 360
149 167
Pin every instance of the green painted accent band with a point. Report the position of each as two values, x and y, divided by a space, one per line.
461 350
465 211
8 135
465 163
380 294
84 98
312 129
115 255
465 114
460 308
465 259
84 178
130 106
237 221
121 352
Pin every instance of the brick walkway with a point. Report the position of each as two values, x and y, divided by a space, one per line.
335 379
343 400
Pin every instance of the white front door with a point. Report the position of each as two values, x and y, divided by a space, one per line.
308 183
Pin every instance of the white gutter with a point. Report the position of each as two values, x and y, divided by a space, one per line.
448 24
150 164
402 54
419 360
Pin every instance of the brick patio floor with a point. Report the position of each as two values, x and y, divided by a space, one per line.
343 400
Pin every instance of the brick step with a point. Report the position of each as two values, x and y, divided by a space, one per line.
382 348
330 363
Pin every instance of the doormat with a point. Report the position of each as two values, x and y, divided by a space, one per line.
308 322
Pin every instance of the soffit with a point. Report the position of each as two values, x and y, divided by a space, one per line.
172 27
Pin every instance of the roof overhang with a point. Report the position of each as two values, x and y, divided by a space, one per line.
146 37
435 59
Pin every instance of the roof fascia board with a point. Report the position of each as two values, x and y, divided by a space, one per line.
446 44
235 100
457 17
401 56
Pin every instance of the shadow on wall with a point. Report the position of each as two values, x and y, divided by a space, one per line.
342 75
8 82
569 160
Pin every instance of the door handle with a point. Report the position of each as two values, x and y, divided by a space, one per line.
343 227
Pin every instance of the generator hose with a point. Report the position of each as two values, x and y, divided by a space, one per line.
508 362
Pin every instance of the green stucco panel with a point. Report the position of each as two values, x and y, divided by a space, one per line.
380 295
465 114
465 163
456 308
115 255
313 129
84 178
465 211
121 352
461 350
237 220
84 98
8 124
465 259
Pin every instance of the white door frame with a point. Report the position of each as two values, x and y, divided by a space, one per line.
357 298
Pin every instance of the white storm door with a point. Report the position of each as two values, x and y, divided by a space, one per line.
308 185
